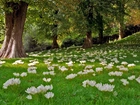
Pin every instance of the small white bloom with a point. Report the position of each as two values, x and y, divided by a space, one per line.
24 74
111 80
49 95
82 62
71 76
31 90
131 65
124 63
124 81
99 69
29 97
132 77
16 74
47 80
63 68
138 79
49 87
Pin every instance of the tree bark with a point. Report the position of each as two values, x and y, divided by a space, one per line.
54 31
55 44
88 40
12 46
121 31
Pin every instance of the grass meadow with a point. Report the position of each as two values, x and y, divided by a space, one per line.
103 75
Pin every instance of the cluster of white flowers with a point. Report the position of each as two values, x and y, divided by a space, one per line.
131 65
85 72
99 69
12 81
33 62
109 66
49 73
63 68
32 70
124 81
105 87
50 67
24 74
40 89
18 62
71 76
115 73
138 79
70 64
83 62
89 82
99 86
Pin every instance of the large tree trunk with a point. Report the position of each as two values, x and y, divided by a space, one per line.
88 40
12 46
55 44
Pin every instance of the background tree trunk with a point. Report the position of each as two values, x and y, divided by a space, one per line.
54 31
55 44
121 30
12 46
88 40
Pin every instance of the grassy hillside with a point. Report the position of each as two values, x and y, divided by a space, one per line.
132 39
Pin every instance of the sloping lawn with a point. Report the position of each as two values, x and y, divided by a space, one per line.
103 75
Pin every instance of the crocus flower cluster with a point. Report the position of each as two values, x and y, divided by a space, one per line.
12 81
18 62
40 89
99 86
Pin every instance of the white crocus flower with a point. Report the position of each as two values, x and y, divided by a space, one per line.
41 89
115 73
70 63
29 97
123 69
16 74
31 90
51 68
83 62
124 81
124 63
111 80
18 62
49 95
71 76
99 69
132 77
32 70
138 79
49 87
24 74
131 65
2 62
63 68
47 80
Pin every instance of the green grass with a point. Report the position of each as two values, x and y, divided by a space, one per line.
71 91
